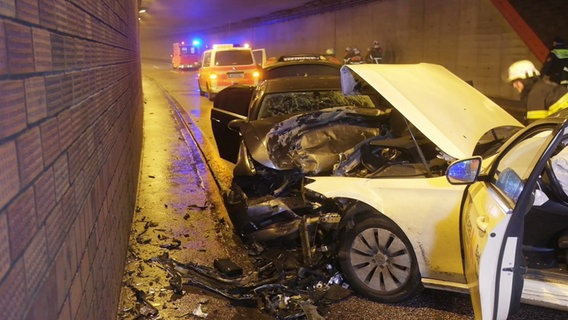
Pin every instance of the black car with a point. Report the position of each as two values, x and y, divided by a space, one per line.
274 100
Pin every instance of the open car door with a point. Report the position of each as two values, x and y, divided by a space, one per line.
230 103
259 57
493 215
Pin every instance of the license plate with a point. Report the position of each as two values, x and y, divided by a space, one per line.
236 75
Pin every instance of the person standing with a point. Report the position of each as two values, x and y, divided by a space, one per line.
352 56
555 67
348 55
540 97
374 54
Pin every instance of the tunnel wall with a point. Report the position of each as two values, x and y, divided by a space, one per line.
70 144
471 38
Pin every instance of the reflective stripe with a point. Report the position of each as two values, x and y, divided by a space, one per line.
537 114
560 53
562 103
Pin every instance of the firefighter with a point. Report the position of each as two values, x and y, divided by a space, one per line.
348 55
555 67
356 58
540 97
352 56
374 54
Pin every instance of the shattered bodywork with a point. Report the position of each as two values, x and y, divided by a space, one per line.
313 142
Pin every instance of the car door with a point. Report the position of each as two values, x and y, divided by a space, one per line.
230 103
493 216
259 57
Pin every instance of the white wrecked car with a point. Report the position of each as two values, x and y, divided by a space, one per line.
401 232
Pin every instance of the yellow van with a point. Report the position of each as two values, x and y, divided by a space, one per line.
227 64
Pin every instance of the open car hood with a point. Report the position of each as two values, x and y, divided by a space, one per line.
449 111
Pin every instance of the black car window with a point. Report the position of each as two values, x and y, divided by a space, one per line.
305 101
235 99
233 57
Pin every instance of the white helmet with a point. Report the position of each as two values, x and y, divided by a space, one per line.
522 69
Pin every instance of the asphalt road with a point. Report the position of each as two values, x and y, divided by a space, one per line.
181 88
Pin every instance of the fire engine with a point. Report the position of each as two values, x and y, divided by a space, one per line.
185 56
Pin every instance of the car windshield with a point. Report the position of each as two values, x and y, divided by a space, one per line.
233 57
276 104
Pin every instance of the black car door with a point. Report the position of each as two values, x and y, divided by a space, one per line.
230 103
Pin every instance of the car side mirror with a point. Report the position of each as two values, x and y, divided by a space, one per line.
464 171
236 124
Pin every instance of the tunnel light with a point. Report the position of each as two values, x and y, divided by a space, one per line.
142 10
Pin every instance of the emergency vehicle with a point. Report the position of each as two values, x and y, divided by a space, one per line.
228 64
185 56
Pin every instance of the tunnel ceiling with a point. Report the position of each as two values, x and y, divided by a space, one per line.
172 17
180 17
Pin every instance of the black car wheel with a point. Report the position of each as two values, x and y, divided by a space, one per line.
378 261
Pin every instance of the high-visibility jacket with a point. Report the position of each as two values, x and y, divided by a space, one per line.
560 104
556 66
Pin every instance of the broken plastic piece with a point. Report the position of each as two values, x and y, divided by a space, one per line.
175 244
198 312
227 267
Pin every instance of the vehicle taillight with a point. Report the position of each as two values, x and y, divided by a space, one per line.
256 74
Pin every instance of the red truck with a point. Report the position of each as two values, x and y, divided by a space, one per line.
185 56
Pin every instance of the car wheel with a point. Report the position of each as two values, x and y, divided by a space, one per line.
378 261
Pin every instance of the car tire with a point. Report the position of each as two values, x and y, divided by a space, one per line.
378 261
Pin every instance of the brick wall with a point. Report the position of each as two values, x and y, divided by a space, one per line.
70 144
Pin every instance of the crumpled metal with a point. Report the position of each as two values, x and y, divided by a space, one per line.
313 142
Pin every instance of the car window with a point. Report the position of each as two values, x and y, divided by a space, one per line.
206 59
276 104
233 57
517 164
235 99
492 140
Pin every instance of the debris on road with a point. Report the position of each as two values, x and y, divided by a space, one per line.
277 288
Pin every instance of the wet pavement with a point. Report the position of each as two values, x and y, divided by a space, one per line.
179 213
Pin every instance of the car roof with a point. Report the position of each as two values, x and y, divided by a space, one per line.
220 49
449 111
287 84
280 64
301 66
